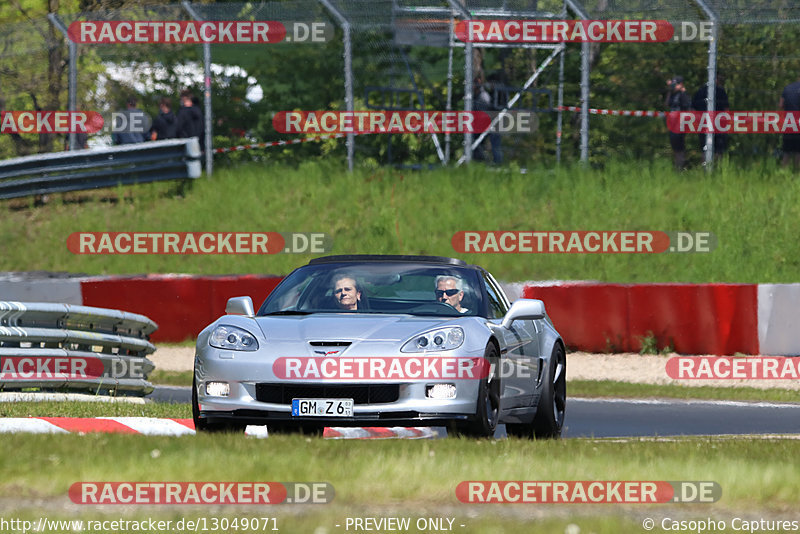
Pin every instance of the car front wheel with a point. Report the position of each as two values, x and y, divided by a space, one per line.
549 419
484 423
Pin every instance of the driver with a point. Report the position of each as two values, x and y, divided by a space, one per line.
346 293
450 290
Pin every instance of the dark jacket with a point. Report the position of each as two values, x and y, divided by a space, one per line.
720 99
190 122
165 126
678 101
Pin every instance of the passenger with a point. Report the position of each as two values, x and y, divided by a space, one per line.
450 290
347 293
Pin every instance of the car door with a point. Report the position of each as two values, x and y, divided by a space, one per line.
519 366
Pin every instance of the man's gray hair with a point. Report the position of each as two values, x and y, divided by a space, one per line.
458 279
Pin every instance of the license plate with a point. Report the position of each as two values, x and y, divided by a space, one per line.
322 407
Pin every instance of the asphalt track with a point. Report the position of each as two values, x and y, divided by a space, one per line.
605 418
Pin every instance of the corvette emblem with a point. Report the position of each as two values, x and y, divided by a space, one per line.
328 353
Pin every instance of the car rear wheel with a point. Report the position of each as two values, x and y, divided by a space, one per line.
484 423
549 419
202 425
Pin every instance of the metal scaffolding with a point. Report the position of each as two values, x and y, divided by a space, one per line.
427 18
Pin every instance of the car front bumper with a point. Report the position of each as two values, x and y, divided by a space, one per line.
412 407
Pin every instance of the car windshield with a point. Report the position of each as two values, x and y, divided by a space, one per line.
378 287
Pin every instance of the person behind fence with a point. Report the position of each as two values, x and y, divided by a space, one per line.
700 103
677 100
482 101
81 141
190 119
166 124
130 125
196 103
497 84
790 101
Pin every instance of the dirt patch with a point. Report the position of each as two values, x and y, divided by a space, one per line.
650 369
173 358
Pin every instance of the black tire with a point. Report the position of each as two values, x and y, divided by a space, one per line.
549 420
202 425
487 411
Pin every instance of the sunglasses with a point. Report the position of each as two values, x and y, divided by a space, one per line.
448 292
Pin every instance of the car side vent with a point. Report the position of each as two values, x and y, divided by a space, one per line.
330 343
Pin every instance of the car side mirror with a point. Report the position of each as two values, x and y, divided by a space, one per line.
524 309
240 306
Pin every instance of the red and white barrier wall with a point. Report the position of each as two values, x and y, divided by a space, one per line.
181 305
693 318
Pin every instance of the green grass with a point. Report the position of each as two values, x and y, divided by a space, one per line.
171 378
403 474
608 388
751 211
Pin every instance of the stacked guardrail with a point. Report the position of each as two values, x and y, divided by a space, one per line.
64 347
77 170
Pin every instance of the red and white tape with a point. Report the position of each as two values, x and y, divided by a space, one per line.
278 143
623 112
152 426
593 111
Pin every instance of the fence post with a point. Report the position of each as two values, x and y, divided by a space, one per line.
711 96
72 104
348 74
208 141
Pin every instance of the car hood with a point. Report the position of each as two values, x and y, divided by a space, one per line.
347 327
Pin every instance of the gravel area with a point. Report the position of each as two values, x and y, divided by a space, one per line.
650 369
173 358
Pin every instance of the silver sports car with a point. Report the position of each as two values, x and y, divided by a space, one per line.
383 341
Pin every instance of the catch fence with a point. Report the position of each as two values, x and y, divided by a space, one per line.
405 50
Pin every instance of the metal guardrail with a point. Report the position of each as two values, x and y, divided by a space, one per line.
78 170
36 337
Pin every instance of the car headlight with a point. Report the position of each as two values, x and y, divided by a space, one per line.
436 340
232 338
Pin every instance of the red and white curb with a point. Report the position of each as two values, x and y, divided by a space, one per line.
149 426
379 432
152 426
